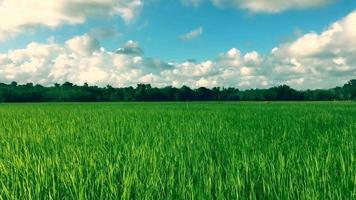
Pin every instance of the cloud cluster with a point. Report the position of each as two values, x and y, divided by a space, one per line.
51 13
313 60
81 59
265 6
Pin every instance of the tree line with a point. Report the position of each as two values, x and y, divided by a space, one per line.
69 92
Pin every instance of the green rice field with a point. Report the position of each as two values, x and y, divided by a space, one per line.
178 151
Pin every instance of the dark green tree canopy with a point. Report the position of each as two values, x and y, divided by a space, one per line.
29 92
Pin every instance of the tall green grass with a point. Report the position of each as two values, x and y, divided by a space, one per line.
178 151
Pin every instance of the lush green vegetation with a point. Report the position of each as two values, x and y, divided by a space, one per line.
178 151
69 92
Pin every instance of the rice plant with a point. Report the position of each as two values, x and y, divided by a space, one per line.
178 151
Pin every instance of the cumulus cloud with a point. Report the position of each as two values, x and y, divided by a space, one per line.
80 60
314 60
325 57
265 6
131 48
18 15
83 45
192 34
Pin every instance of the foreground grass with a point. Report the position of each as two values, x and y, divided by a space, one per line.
178 151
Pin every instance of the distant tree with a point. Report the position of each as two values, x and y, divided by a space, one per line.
350 89
142 92
286 93
13 83
67 84
186 94
29 85
230 94
128 94
216 94
203 94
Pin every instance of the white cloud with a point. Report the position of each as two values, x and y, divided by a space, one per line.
272 6
315 60
252 58
264 6
18 15
327 57
131 47
192 34
84 45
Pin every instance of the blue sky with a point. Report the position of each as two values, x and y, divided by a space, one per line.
161 23
226 28
158 26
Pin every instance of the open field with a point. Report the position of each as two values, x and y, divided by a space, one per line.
178 151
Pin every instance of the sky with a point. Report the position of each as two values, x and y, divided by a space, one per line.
306 44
